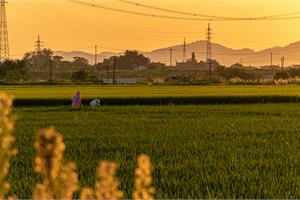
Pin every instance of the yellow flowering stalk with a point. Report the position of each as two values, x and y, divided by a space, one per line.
41 191
87 194
6 140
68 179
60 180
106 185
143 181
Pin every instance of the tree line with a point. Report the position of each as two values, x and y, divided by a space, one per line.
45 60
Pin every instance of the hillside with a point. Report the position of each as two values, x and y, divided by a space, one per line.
224 55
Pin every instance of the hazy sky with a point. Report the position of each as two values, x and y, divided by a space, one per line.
64 25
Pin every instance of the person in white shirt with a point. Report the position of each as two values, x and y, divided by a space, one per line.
95 103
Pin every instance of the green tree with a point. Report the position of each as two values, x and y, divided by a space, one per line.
57 60
38 60
235 72
14 70
80 76
281 75
80 62
130 60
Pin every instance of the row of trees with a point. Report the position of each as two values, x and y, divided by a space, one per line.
290 73
40 61
236 71
129 60
20 70
255 74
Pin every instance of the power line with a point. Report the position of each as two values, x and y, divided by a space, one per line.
62 22
134 12
203 15
184 18
61 14
168 10
68 23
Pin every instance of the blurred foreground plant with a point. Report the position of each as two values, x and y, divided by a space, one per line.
6 140
106 186
60 179
143 180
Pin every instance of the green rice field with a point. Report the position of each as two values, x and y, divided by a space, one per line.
204 151
65 92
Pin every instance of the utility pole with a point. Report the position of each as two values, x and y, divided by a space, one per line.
271 59
208 50
50 70
114 73
96 56
171 57
282 62
38 48
210 70
4 46
107 69
184 51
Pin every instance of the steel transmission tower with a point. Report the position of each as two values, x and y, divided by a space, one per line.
38 48
208 38
208 50
4 47
38 45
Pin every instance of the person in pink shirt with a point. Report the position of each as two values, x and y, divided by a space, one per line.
76 100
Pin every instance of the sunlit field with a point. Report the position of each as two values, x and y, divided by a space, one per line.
214 151
63 92
149 99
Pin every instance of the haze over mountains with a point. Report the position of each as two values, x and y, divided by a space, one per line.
224 55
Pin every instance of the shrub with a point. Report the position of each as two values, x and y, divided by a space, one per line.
281 75
282 82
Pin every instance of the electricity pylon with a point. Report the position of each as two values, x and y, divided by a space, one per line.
208 51
4 47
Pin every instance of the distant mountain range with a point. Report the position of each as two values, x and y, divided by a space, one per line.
226 56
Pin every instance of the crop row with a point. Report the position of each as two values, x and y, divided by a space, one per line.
203 100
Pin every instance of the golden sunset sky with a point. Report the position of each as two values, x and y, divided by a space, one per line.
67 26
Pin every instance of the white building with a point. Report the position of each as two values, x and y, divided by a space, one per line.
121 81
140 68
